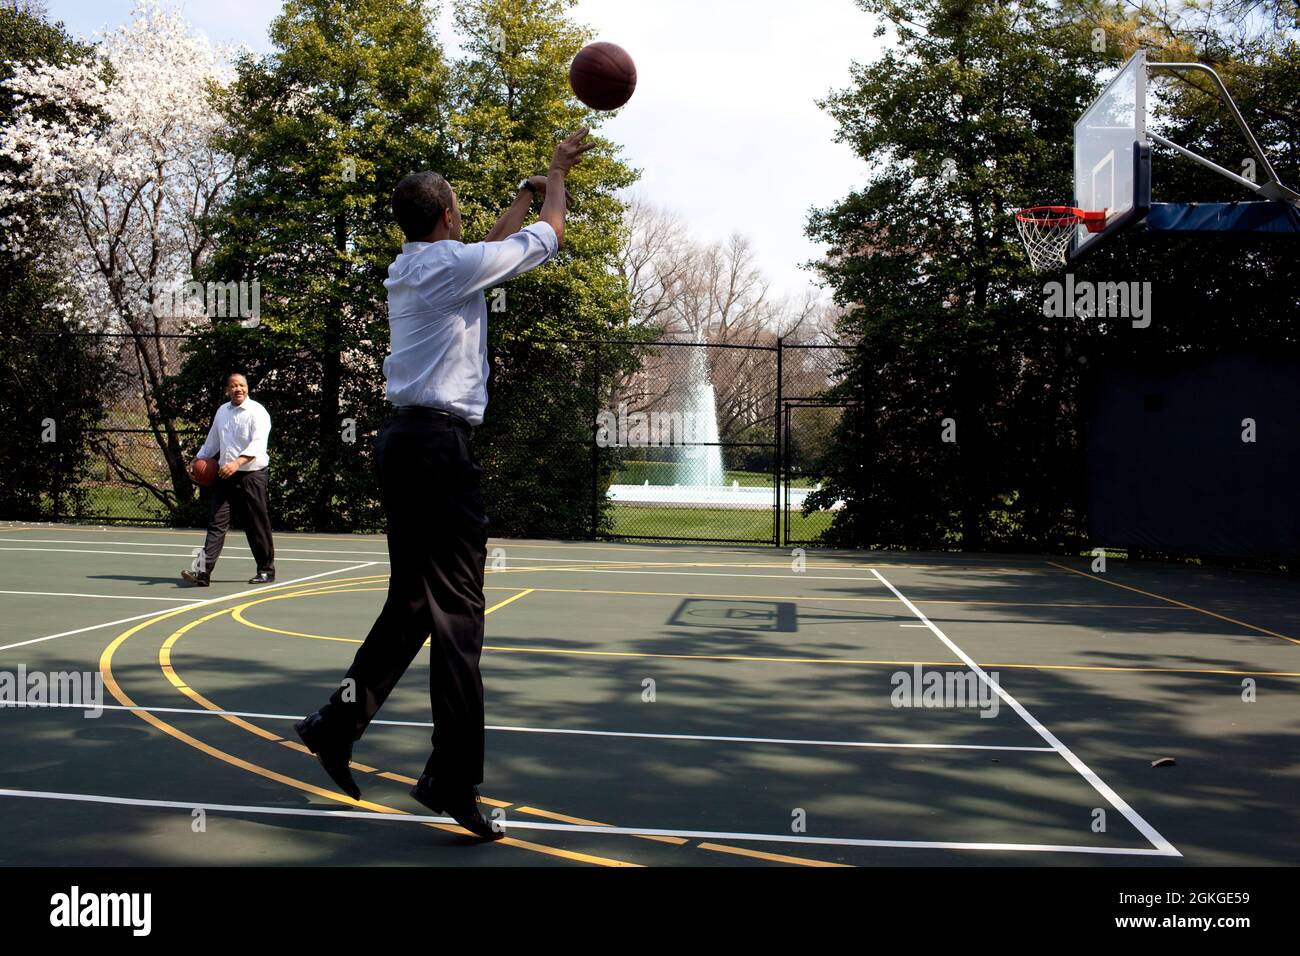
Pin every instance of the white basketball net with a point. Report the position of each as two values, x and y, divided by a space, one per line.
1046 233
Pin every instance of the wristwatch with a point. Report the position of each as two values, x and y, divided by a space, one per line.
529 186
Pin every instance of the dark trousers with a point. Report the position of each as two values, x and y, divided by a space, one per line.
437 544
244 492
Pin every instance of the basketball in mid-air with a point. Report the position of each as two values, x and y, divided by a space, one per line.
603 76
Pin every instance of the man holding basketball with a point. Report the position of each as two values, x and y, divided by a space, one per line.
237 440
430 481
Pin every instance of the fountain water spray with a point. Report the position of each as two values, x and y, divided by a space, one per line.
700 464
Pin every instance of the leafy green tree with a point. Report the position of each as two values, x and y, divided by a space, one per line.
356 96
512 103
948 323
963 120
1211 293
52 377
353 98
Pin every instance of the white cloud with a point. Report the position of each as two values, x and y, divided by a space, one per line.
724 122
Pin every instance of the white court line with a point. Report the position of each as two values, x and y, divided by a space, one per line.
1163 846
515 562
696 573
505 728
190 806
198 537
766 740
689 572
164 554
203 603
111 597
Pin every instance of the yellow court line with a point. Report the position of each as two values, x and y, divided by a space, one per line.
110 681
771 857
580 821
198 532
736 597
779 565
164 657
238 615
742 549
875 663
411 782
509 600
627 566
1161 597
294 745
818 598
785 565
689 567
380 539
563 546
1128 669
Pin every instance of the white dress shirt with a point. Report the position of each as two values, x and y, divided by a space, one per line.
239 430
437 316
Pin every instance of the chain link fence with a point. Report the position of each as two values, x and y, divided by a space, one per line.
664 440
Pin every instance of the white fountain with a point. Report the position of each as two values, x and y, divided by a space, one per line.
699 463
699 476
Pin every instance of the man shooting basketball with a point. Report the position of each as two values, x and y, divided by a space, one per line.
430 482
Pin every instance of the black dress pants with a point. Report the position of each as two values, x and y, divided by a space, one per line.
437 544
244 492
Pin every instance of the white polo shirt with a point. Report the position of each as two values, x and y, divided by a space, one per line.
437 316
236 430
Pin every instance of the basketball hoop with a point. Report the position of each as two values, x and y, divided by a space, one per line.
1046 232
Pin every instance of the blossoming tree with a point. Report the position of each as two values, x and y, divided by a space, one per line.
131 146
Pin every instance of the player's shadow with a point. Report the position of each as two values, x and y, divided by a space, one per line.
144 580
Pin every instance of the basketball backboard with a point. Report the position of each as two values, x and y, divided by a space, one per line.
1112 161
1112 177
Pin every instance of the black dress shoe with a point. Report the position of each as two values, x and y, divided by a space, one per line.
198 580
334 755
461 803
263 577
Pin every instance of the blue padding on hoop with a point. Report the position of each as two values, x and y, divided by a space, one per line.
1235 217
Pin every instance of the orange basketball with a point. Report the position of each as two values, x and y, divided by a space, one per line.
603 76
204 471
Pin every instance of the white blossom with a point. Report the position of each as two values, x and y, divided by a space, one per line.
133 153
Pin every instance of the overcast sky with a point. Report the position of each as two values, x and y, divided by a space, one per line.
723 124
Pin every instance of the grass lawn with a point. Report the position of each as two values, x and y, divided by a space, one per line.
664 473
731 523
119 503
666 522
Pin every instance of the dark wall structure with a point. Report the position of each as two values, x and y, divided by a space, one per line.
1168 468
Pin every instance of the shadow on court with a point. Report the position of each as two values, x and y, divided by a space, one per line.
712 693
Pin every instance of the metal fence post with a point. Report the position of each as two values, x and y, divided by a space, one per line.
595 435
60 375
777 464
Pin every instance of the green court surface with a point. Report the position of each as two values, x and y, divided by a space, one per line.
657 705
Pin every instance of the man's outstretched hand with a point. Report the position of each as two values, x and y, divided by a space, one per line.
567 155
570 150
